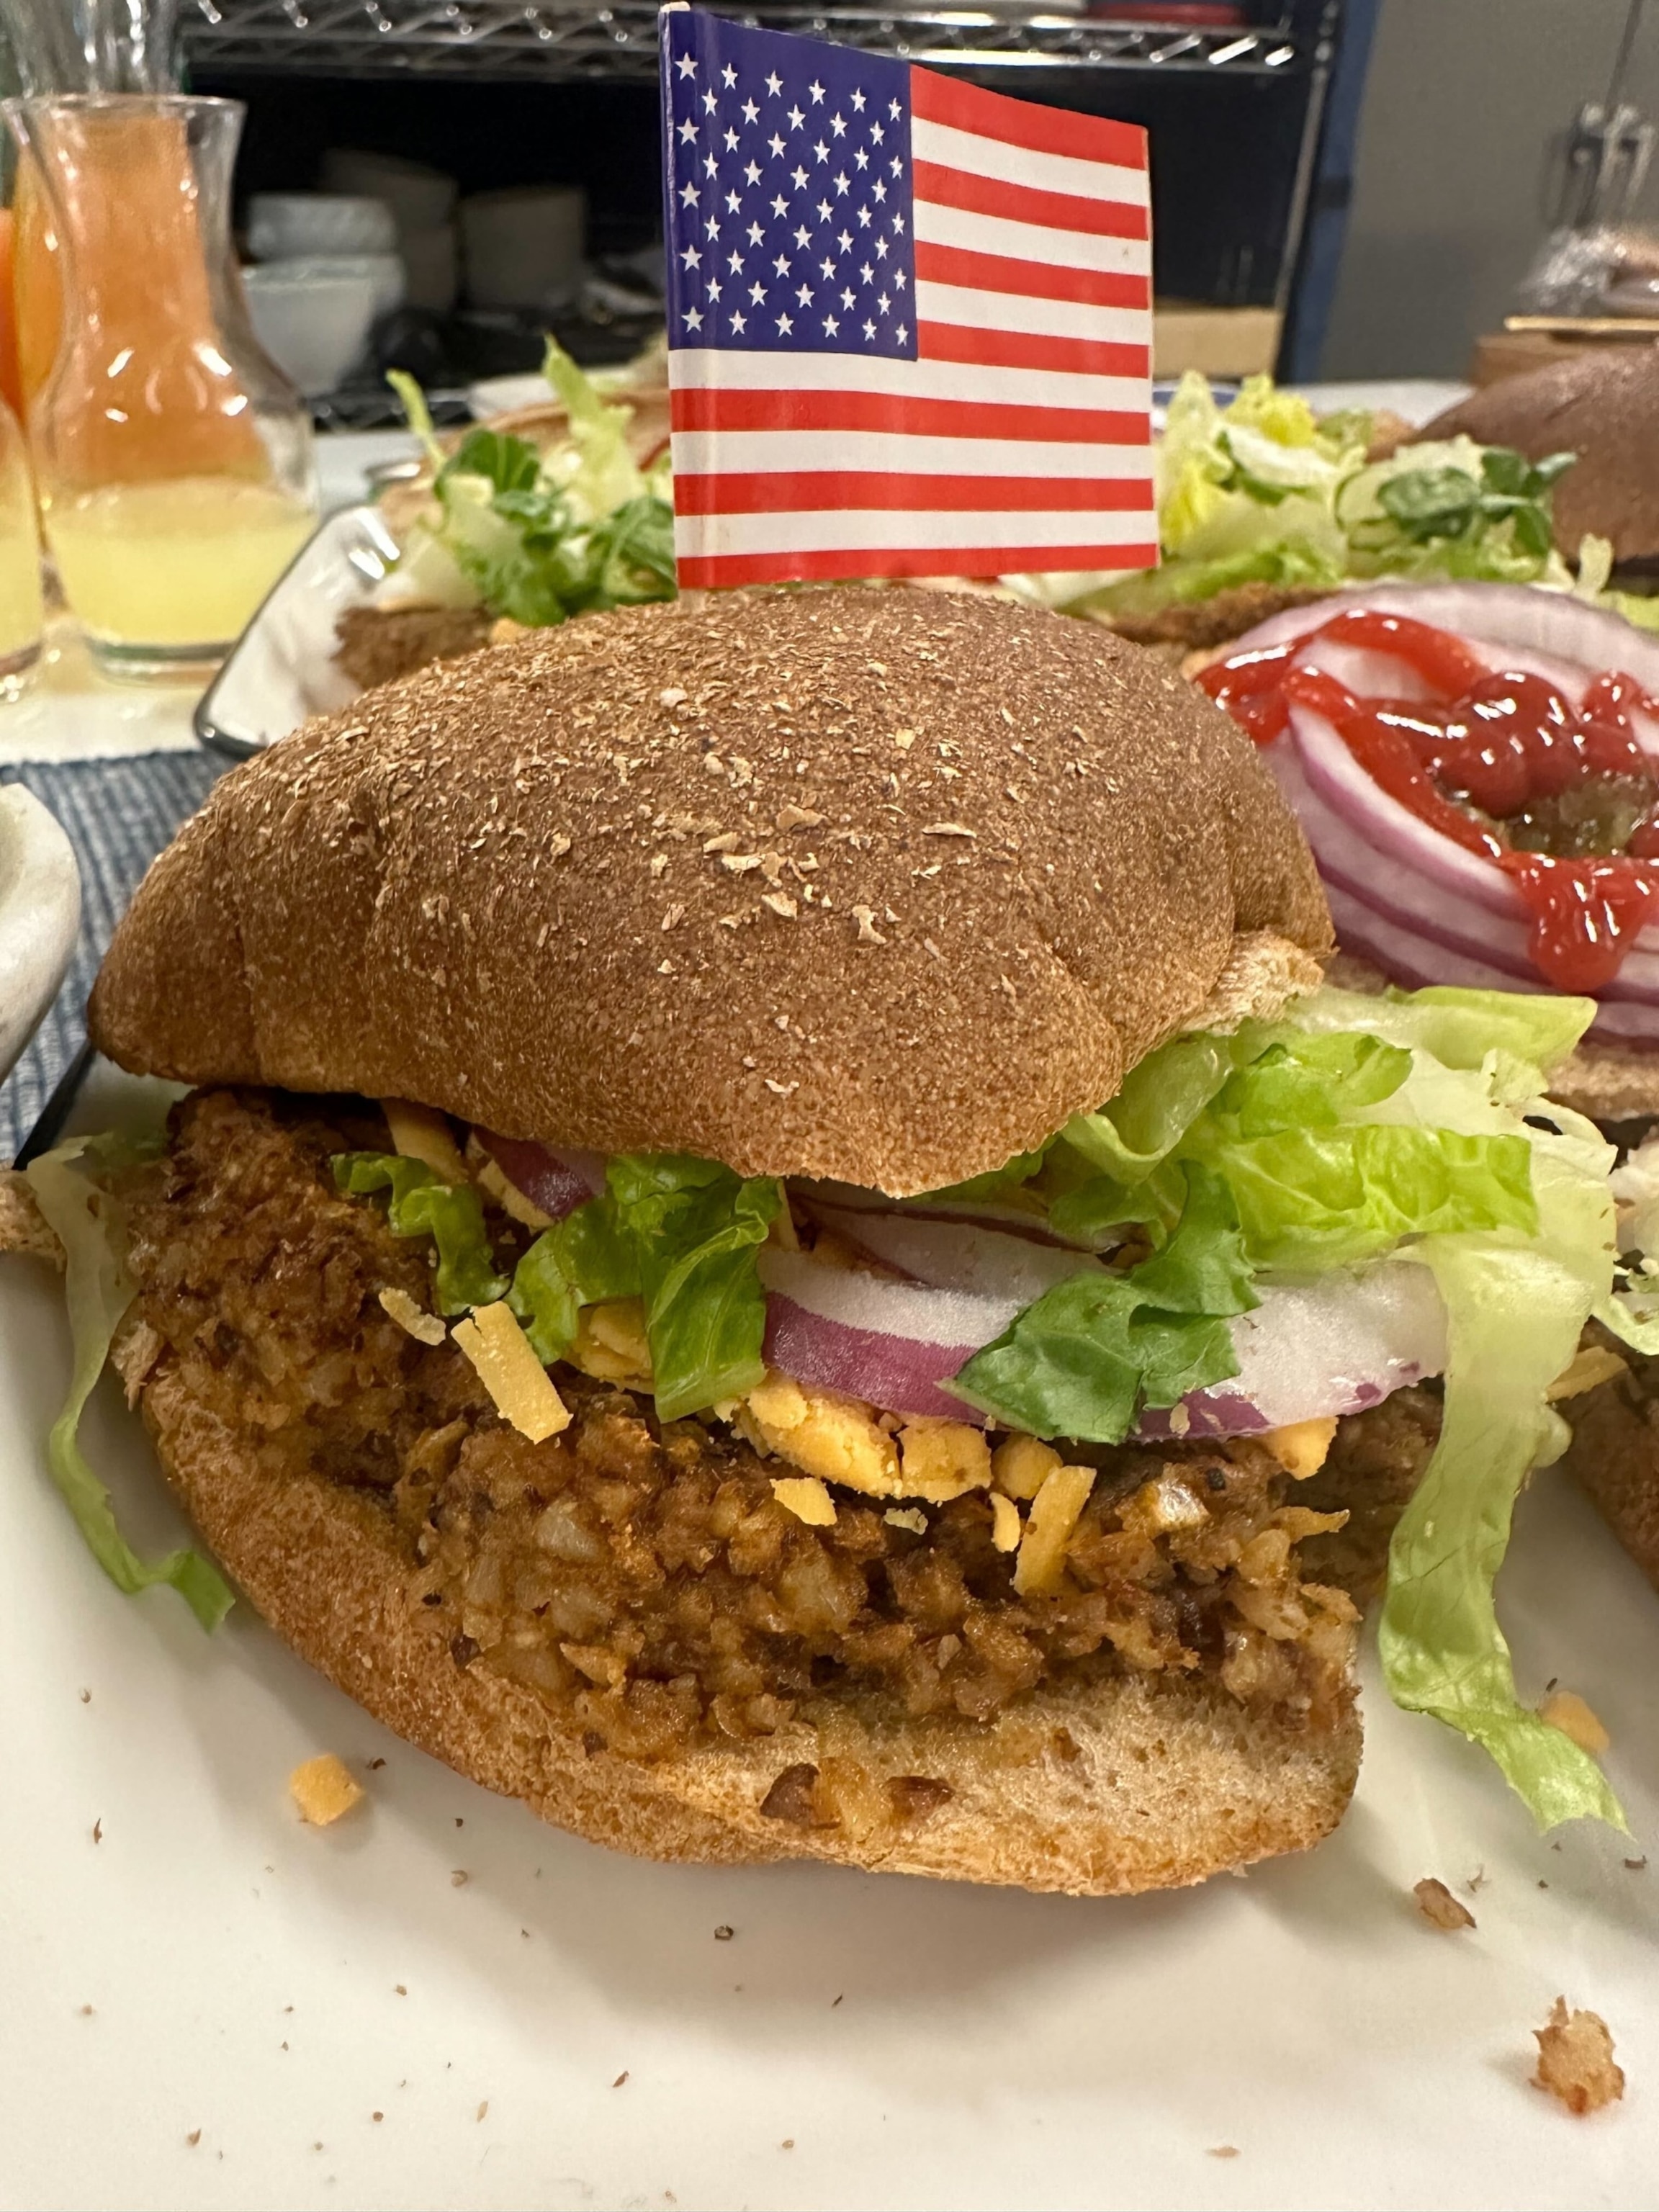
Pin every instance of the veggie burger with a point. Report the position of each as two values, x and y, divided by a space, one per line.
778 1250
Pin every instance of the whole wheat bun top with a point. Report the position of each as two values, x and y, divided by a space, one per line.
880 885
1602 406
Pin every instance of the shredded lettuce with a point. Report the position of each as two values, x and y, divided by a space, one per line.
540 537
423 1204
1089 1353
580 1261
1263 491
98 1290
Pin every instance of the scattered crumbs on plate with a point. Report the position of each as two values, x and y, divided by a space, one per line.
1636 1866
723 1934
524 1931
1222 2150
324 1789
483 2110
837 2001
1439 1907
86 1697
788 2143
459 1823
98 1830
377 2116
316 2146
1476 1882
374 1766
460 1878
399 1990
287 2008
193 2137
1576 2062
86 2012
620 2079
283 2045
1542 1884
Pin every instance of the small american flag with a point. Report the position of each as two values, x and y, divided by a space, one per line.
909 322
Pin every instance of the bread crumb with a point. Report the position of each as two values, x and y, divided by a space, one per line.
324 1789
98 1830
724 1934
481 2110
193 2137
460 1878
1439 1907
1637 1866
1575 2060
620 2079
1567 1711
377 2116
1222 2150
864 916
788 2143
413 1320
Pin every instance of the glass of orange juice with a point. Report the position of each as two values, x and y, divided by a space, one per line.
23 615
172 459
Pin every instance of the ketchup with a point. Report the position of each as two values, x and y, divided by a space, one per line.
1487 748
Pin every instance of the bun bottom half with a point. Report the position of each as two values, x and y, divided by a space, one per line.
1136 1784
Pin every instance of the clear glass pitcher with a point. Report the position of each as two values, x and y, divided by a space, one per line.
23 615
172 459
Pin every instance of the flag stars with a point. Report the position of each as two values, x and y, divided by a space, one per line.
798 178
898 224
869 329
691 257
879 191
786 325
687 132
831 326
824 211
779 206
847 299
711 167
858 103
816 91
757 293
775 85
897 166
804 295
688 195
781 266
877 134
828 270
755 233
803 237
841 185
730 140
750 113
711 228
838 125
899 279
881 249
901 332
687 66
734 203
795 119
885 304
693 319
709 103
893 110
864 218
821 151
740 324
845 241
861 159
729 77
867 275
714 288
734 263
752 174
774 147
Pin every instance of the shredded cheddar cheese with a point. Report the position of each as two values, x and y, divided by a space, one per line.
1048 1526
414 1320
941 1460
421 1133
1301 1447
1591 1364
835 1438
508 1195
1021 1465
323 1788
1567 1711
805 1496
520 1386
1005 1530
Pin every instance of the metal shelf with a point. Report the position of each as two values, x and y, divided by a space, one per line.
554 40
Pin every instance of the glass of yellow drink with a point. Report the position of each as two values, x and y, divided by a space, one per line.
22 617
172 459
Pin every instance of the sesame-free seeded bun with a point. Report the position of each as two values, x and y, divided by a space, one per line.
881 885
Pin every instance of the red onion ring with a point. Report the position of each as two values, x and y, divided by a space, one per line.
555 1181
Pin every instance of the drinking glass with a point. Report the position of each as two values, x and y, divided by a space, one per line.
172 460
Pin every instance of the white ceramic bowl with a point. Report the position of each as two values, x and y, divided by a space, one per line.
283 225
40 915
312 318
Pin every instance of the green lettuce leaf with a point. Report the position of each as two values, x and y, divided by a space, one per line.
98 1290
1457 1027
1091 1352
1516 1313
695 1228
580 1261
423 1204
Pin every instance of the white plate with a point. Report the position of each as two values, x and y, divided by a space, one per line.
281 668
918 2045
40 915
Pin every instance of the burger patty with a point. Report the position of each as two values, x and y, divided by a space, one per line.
642 1576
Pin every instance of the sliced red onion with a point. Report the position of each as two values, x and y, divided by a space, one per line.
1331 1347
557 1181
1336 1345
952 1255
891 1343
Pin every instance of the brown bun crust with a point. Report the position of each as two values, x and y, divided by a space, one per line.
1602 406
1130 1787
877 885
1608 1082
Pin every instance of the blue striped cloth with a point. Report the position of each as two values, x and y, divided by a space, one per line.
119 814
